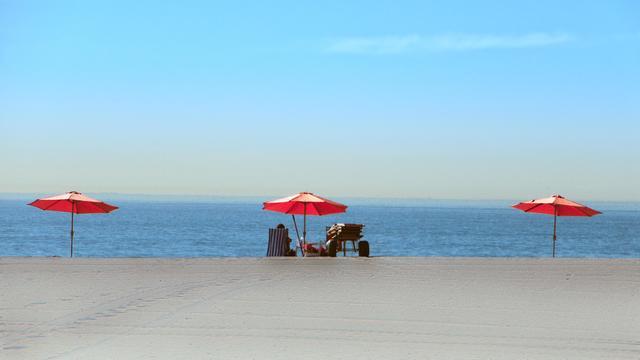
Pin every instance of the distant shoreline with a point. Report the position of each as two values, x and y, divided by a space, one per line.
351 201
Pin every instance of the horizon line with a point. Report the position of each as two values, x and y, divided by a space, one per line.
17 195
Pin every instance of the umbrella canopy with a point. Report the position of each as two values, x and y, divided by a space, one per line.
555 205
304 203
75 203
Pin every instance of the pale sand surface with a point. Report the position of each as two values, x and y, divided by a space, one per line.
319 308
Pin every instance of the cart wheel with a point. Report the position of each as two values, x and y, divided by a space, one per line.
363 248
333 248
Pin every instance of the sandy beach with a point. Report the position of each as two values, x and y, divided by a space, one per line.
319 308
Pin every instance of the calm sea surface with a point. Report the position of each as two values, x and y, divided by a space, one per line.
393 228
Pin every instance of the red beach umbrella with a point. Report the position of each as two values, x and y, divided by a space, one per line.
75 203
304 203
555 205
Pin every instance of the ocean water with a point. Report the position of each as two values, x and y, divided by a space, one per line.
239 228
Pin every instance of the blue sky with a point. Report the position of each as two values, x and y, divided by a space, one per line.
456 99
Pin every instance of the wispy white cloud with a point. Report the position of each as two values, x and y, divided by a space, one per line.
450 42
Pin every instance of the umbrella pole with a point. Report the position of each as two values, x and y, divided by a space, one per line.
304 229
555 217
295 225
72 210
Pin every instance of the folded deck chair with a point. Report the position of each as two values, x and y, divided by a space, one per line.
278 244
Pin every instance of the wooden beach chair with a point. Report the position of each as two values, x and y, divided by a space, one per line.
278 244
343 233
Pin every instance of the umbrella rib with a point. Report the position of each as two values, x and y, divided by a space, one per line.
584 211
535 206
313 206
317 209
291 209
50 205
